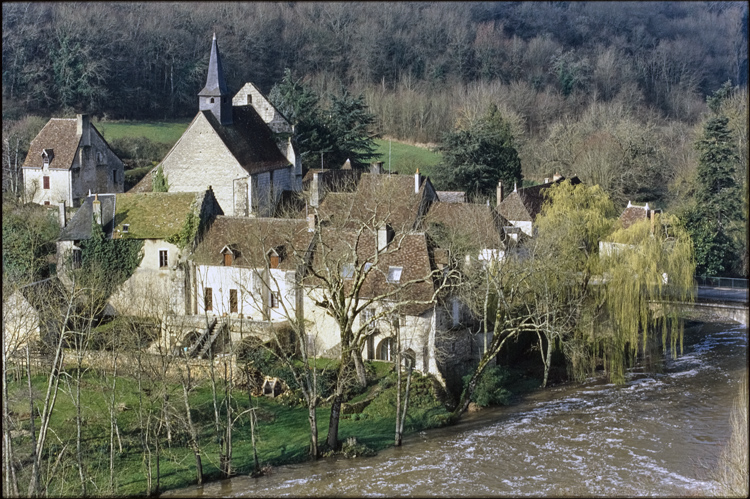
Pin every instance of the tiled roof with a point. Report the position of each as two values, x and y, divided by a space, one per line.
59 134
452 196
481 223
249 140
333 180
633 214
379 199
146 184
79 227
252 238
408 251
526 203
153 215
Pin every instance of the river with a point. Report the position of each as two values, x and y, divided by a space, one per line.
657 435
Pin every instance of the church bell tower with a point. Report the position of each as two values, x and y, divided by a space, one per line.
215 97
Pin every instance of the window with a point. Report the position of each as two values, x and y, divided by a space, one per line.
208 299
228 259
385 349
368 266
347 272
45 181
114 176
394 274
367 316
46 160
274 299
212 100
163 259
46 203
233 301
274 261
76 258
126 228
249 99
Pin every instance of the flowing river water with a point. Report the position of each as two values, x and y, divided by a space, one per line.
660 434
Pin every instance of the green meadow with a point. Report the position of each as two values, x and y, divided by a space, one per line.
166 132
406 158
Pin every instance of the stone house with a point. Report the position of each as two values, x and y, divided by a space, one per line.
68 159
32 313
169 224
241 146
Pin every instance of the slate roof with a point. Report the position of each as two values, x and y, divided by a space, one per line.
146 184
251 239
379 198
59 134
523 205
452 196
79 226
216 85
249 140
409 251
481 223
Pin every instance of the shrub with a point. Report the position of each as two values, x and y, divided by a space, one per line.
491 387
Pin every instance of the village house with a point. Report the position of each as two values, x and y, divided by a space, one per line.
68 159
241 146
169 224
522 206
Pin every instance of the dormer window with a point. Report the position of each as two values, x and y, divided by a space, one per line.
229 253
394 274
275 256
47 155
125 228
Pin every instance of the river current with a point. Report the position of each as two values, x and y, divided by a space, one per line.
660 434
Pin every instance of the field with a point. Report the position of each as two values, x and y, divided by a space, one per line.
400 156
164 132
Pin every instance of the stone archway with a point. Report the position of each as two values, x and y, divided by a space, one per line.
386 349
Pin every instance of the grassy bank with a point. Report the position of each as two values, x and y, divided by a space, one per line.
282 431
406 158
167 132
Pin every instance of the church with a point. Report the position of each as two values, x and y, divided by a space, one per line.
239 146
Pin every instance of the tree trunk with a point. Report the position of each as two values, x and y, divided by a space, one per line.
548 361
360 368
333 425
193 434
11 484
313 420
410 368
397 440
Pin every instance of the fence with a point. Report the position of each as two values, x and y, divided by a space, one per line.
721 282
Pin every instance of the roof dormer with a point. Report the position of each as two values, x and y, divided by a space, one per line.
47 155
229 254
276 256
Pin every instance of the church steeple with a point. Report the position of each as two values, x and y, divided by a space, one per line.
215 97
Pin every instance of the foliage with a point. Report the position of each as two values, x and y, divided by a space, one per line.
491 389
715 219
476 157
137 152
160 183
116 259
29 234
188 231
340 132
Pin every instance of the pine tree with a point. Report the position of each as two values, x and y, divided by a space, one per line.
476 157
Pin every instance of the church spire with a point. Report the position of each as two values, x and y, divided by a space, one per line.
215 97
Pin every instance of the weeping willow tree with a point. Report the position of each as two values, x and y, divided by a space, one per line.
585 285
630 278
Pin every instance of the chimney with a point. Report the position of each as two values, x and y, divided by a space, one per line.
61 214
97 208
385 234
546 180
653 222
499 192
315 191
83 128
376 168
417 181
515 187
311 222
556 177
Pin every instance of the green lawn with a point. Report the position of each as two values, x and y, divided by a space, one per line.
406 158
166 132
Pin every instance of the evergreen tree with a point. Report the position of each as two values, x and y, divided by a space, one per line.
349 124
476 157
715 218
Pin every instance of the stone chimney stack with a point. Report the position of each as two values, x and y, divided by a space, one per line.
97 208
556 177
499 192
417 181
315 191
312 221
61 214
546 180
385 233
83 128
